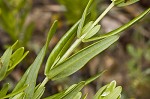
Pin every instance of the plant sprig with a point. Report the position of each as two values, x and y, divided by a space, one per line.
61 63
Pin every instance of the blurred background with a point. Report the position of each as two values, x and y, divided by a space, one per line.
127 61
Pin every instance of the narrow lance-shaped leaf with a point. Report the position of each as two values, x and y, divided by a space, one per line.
78 95
110 88
21 83
120 29
19 96
35 66
86 28
92 32
73 90
5 59
60 48
18 61
79 59
83 19
115 94
56 96
17 55
16 92
100 91
39 92
108 91
94 77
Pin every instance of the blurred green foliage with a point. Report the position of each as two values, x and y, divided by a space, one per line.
138 75
13 15
75 8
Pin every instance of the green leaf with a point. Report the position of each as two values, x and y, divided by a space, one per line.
19 96
35 66
115 94
100 91
121 3
79 59
93 77
18 60
21 83
109 88
108 91
85 96
120 29
78 96
39 92
87 27
60 48
74 91
17 55
5 59
14 45
51 32
4 90
16 92
56 96
81 24
92 32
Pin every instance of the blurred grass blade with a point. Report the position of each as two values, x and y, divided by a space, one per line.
85 96
60 48
14 45
4 90
27 34
35 66
81 24
5 59
78 60
115 94
120 29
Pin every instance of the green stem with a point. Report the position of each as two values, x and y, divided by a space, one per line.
70 50
44 82
103 14
78 41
